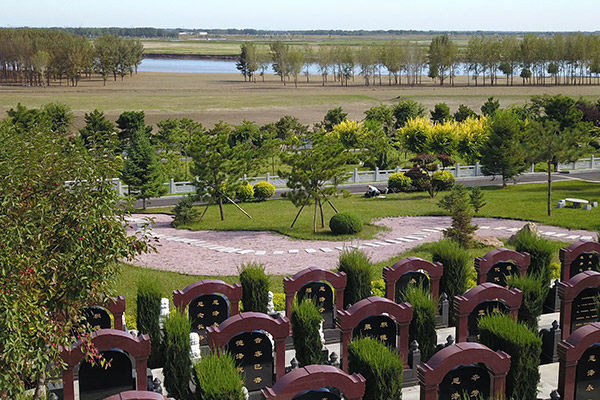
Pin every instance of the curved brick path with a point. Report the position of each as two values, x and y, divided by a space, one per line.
220 252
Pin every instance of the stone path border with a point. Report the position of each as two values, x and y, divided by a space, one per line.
221 252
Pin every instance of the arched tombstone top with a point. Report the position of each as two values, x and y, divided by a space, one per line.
279 328
115 306
571 349
567 291
570 254
484 264
350 318
106 339
136 395
393 273
316 377
466 303
181 298
433 371
314 274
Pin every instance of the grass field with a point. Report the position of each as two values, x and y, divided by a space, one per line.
208 98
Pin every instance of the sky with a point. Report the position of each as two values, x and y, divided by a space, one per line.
458 15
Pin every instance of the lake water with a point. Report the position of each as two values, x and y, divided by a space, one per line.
219 67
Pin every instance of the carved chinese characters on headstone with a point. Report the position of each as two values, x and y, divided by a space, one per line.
322 294
97 382
483 308
583 310
320 394
466 382
411 279
253 354
97 318
587 381
379 327
500 271
207 310
588 261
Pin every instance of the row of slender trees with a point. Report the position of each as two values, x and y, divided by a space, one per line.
38 57
568 59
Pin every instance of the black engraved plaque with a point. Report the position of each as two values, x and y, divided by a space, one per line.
207 310
253 354
587 378
409 279
319 394
466 382
583 308
380 327
322 294
589 261
97 318
500 271
483 308
97 382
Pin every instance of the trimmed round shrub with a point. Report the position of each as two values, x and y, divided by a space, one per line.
345 223
399 182
218 378
379 365
442 180
245 192
263 191
359 272
306 320
255 285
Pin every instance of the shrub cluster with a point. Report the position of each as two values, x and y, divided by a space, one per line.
245 192
359 272
218 378
534 294
176 343
306 320
420 179
345 223
263 191
422 326
442 180
399 182
541 251
184 212
379 365
457 264
255 287
501 332
148 312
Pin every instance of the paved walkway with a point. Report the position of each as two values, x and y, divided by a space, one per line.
221 252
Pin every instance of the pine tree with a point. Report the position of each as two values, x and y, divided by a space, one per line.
96 126
142 168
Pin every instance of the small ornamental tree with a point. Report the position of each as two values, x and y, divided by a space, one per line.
63 231
96 126
458 205
477 199
440 113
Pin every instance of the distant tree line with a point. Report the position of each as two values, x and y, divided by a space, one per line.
37 57
125 32
560 59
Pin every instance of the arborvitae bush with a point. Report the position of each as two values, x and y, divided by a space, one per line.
399 182
263 191
184 212
359 272
457 264
218 378
255 287
345 223
148 311
306 320
501 332
534 294
176 344
541 251
379 365
422 326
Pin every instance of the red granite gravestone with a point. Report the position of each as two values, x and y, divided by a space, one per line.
461 368
579 357
97 314
209 302
577 304
136 395
108 340
478 301
376 317
314 283
312 378
412 271
243 335
497 264
579 257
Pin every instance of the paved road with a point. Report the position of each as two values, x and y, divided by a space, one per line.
538 177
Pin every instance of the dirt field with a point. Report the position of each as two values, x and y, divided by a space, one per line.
209 98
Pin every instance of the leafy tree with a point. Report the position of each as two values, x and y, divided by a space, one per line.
63 232
463 113
525 74
490 107
442 57
405 110
333 117
458 204
440 113
317 167
279 57
247 63
295 61
503 154
96 126
142 170
219 164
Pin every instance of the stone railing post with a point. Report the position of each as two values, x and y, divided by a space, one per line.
376 174
477 168
268 177
172 189
532 168
592 161
355 175
457 170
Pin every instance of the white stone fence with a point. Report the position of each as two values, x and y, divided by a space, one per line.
379 175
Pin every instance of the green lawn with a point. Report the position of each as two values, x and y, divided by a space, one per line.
522 202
